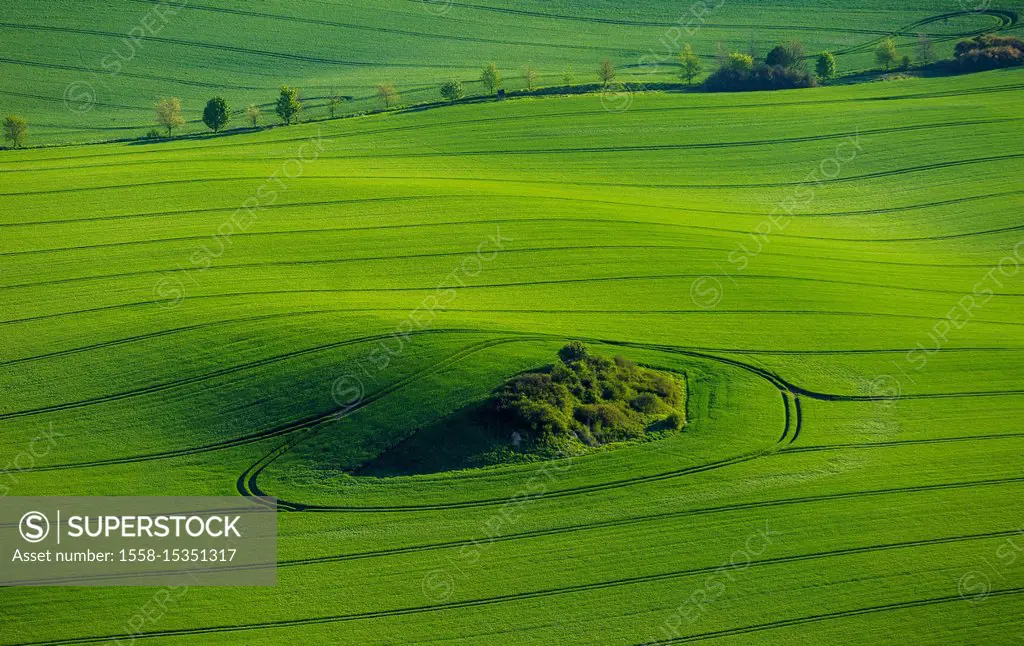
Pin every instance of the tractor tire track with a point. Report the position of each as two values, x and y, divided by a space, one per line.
445 254
499 221
144 77
568 151
364 310
232 209
393 31
551 592
550 115
580 200
251 489
187 381
926 542
247 484
281 315
899 443
841 614
794 389
284 429
1006 20
257 53
836 180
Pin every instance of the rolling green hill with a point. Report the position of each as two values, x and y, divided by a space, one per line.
836 271
88 70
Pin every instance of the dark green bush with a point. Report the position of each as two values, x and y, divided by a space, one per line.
761 77
602 416
675 420
587 397
787 55
987 41
665 387
624 364
542 418
646 403
988 52
536 387
614 390
574 351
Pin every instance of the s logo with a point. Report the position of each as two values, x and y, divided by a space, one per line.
34 527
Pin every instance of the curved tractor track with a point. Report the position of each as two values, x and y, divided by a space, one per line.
647 518
790 393
586 587
281 430
247 484
1006 20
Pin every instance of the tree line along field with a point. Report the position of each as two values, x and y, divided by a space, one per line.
90 71
835 271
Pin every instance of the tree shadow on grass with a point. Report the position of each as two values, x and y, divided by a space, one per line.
468 438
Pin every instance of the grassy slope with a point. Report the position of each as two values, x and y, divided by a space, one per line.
606 235
70 67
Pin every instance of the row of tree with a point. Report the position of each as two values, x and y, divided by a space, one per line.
288 106
783 66
490 77
788 56
217 113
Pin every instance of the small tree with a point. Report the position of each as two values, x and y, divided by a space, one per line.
387 94
691 64
491 78
825 66
288 105
168 114
333 104
216 113
778 56
796 52
15 130
739 63
925 49
568 75
452 90
252 113
529 77
752 48
573 351
886 53
790 54
606 72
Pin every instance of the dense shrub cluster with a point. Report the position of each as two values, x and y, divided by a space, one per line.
596 399
988 52
782 68
759 77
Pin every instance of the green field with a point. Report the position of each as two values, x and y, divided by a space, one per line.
88 70
836 271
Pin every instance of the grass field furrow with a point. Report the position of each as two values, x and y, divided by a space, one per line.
245 51
255 179
917 603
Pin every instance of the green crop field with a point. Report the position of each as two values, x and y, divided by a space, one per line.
836 271
86 70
